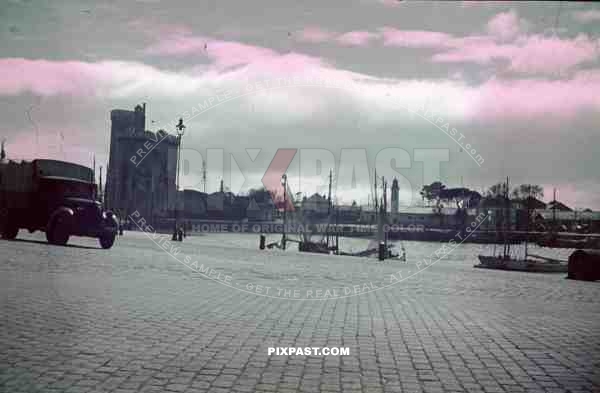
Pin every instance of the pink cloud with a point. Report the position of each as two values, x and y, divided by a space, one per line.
549 55
284 65
587 16
415 38
351 38
505 25
531 54
315 35
178 45
356 38
529 99
227 54
46 77
84 79
26 146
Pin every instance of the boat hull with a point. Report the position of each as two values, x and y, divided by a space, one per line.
499 263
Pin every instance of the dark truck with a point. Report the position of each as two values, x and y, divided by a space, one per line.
53 196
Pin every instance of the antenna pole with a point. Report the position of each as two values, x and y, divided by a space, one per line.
204 176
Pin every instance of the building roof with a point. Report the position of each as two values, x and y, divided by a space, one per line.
559 206
317 198
549 214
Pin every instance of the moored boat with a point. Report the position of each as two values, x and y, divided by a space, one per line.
530 262
523 265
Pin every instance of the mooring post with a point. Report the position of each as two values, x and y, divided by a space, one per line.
381 251
263 238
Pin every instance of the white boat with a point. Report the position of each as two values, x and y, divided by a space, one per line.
523 265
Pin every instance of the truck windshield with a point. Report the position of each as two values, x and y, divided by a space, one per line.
68 189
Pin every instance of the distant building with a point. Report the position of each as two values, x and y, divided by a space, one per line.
348 214
141 168
559 206
194 204
530 203
260 211
395 196
316 204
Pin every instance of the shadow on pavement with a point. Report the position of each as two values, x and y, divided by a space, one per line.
52 245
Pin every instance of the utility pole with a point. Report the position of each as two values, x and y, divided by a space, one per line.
180 131
100 196
284 182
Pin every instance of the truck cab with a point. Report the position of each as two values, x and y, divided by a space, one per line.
60 198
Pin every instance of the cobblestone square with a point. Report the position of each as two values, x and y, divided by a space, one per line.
132 319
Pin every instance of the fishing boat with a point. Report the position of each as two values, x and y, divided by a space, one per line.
382 239
545 265
328 244
530 262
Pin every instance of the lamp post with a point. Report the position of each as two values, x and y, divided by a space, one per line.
180 131
284 183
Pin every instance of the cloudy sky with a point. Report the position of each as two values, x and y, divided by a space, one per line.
518 81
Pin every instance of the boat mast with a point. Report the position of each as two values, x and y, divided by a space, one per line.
384 210
329 208
554 213
528 201
506 234
375 192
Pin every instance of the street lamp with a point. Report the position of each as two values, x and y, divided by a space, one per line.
180 131
284 183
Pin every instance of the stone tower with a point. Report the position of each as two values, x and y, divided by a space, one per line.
141 168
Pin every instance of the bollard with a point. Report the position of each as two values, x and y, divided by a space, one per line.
381 251
263 238
584 265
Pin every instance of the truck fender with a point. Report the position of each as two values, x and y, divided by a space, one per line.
109 216
60 212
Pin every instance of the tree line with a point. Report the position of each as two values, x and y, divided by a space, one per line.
496 195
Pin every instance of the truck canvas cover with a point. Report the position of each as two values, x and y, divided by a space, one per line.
63 169
16 176
18 179
16 184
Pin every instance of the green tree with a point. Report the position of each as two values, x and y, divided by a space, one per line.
432 191
259 194
525 191
498 190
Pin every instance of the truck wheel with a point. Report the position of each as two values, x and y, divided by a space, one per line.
9 231
107 240
57 234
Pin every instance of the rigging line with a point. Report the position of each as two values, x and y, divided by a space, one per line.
557 17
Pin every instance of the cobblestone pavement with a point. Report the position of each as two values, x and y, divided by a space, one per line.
131 319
